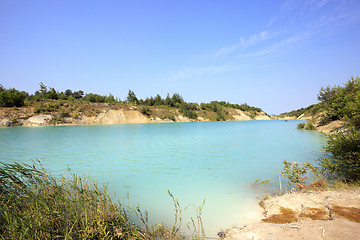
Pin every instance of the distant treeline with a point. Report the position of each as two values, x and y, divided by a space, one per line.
12 97
335 103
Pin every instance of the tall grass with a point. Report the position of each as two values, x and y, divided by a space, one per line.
37 205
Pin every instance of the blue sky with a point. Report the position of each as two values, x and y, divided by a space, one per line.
270 54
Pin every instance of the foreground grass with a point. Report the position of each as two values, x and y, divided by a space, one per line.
36 205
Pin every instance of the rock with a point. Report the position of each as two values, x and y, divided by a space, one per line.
5 122
40 119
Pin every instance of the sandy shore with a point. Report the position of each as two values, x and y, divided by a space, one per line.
333 214
25 117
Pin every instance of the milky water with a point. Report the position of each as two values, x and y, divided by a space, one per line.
216 161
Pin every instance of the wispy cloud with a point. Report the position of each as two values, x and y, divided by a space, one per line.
321 3
198 71
244 43
277 45
296 22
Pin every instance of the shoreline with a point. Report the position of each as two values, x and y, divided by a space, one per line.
109 124
327 214
119 116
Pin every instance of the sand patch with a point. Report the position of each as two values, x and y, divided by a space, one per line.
313 215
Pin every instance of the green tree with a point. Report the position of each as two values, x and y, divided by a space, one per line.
220 116
214 106
131 98
12 97
177 100
158 101
110 99
43 89
185 109
326 94
345 156
51 94
345 103
69 93
79 94
167 100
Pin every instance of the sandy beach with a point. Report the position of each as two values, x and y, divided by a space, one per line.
333 214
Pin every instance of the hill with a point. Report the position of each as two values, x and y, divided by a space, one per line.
50 107
338 107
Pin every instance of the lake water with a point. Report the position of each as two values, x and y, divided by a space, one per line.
214 160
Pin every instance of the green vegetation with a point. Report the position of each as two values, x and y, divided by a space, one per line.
145 110
343 147
344 162
300 125
73 104
335 103
298 174
306 126
11 97
187 109
36 205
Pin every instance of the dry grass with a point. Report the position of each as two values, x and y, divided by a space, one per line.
286 216
315 214
349 213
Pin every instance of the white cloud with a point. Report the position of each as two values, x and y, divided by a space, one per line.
278 45
303 20
244 43
321 4
296 22
209 70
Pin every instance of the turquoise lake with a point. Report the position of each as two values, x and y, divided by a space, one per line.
216 161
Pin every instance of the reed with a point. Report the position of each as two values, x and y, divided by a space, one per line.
37 205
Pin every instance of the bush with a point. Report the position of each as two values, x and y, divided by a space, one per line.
345 160
189 114
309 126
145 110
306 126
324 119
11 97
300 125
298 174
169 116
186 110
220 116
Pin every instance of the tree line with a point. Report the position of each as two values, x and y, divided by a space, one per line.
336 103
12 97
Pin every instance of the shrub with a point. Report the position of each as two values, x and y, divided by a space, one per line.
169 116
324 119
306 126
252 115
186 110
298 174
345 160
300 125
11 97
219 116
145 110
189 114
309 126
